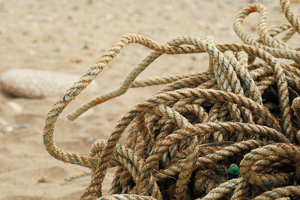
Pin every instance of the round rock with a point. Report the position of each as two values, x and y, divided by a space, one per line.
32 83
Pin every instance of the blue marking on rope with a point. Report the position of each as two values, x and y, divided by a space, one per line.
238 114
225 64
150 186
115 183
272 194
88 73
157 149
133 114
220 169
108 140
115 53
242 185
151 128
130 132
168 77
247 79
118 147
245 177
246 117
194 161
217 125
129 162
73 158
176 86
54 155
153 99
267 50
259 162
268 118
267 181
149 147
150 82
213 156
242 15
282 78
102 161
170 117
160 126
191 51
100 146
260 98
247 157
57 113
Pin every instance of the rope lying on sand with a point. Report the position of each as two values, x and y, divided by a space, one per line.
183 142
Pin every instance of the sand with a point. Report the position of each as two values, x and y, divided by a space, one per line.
68 36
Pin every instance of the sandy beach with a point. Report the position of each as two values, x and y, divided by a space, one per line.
69 36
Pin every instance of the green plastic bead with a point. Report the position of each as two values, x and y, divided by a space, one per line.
234 169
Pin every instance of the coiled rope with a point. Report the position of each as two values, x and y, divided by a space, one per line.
183 141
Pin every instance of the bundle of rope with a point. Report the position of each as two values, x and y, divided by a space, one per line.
228 133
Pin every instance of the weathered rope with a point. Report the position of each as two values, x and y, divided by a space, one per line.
183 141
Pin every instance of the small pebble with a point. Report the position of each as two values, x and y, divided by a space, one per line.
109 16
17 126
46 18
76 60
15 107
45 180
3 122
137 51
32 52
56 49
125 52
90 139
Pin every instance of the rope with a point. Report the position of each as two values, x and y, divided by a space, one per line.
230 132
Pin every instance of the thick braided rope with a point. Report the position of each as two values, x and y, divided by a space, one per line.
288 191
187 170
222 190
265 156
191 131
126 197
291 17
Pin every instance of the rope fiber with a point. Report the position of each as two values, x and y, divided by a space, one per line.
232 132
